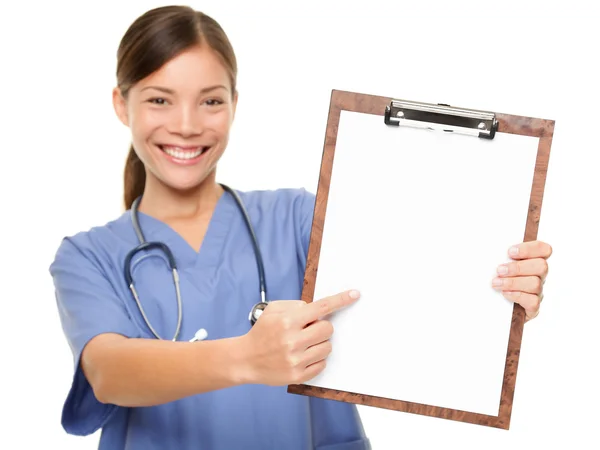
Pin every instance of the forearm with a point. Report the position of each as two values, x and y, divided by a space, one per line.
143 372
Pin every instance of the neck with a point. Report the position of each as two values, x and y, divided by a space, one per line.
165 203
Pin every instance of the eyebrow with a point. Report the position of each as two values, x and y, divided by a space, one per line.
170 91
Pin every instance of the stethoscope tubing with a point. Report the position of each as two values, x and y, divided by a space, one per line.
145 245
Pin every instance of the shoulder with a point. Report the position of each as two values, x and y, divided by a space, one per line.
288 210
285 206
282 199
89 244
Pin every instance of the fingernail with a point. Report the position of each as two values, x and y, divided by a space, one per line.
354 294
513 251
503 269
496 282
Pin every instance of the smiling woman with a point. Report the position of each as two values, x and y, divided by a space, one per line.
176 92
196 270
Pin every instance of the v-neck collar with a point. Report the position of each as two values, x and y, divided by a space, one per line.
209 255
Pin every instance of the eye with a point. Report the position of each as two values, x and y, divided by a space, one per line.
157 101
214 102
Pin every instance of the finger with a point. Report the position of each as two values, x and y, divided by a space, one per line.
321 308
529 302
529 267
529 316
316 332
312 371
531 249
531 285
317 353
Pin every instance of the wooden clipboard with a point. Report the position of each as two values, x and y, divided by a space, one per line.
505 123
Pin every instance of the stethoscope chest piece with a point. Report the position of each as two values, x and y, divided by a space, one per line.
256 311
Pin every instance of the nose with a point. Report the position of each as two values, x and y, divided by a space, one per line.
186 121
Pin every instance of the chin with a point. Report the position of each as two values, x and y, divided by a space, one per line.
185 184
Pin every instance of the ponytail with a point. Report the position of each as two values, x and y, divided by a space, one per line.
134 178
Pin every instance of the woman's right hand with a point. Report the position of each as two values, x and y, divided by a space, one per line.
290 341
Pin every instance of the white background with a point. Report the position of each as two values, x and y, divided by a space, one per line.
518 57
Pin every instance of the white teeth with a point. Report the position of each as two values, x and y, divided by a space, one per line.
175 152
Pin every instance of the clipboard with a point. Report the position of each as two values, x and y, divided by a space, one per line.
370 134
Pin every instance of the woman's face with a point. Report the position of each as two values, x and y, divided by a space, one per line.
180 118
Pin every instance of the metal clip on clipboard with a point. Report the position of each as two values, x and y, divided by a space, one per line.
441 117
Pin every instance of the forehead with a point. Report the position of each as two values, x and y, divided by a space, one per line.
191 70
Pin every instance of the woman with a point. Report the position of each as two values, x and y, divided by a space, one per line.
177 93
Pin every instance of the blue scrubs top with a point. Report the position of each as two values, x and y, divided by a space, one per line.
219 285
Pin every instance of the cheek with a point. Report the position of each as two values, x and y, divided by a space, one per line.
220 123
142 126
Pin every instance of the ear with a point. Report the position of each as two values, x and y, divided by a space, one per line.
234 105
120 106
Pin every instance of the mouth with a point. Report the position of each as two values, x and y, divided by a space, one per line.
184 154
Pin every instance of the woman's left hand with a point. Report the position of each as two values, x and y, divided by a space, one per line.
522 280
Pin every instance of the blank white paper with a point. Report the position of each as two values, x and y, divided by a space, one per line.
418 221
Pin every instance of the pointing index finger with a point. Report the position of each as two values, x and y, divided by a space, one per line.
328 305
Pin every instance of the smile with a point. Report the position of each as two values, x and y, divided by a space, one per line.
183 153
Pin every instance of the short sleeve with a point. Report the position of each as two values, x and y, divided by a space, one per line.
307 210
87 306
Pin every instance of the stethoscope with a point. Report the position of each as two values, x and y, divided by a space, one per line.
201 334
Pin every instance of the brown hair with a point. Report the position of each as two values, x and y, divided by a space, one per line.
152 40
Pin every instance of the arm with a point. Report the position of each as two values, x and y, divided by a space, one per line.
113 365
141 372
